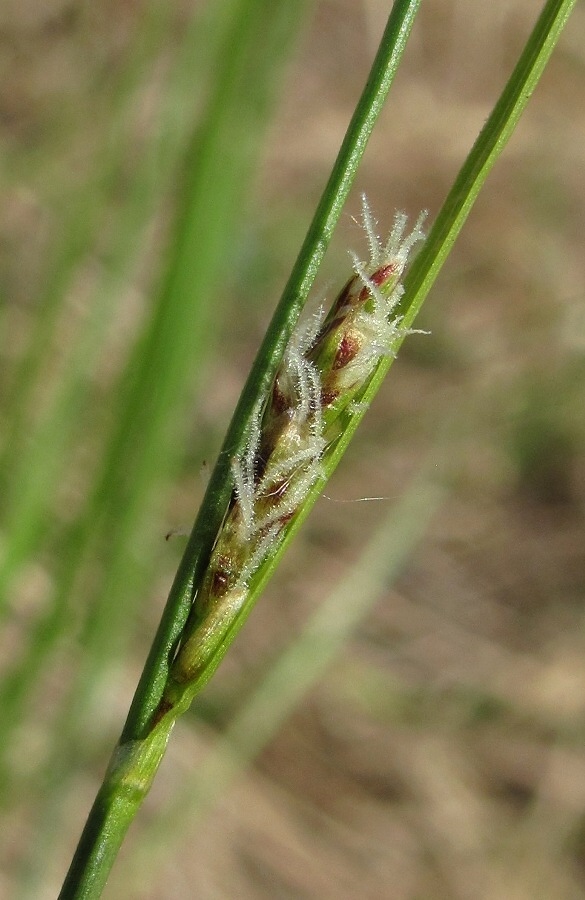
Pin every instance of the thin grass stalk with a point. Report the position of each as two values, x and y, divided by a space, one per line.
118 798
146 733
192 566
295 671
426 266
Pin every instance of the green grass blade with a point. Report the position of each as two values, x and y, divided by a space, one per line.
110 815
144 737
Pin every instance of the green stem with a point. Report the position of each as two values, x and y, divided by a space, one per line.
218 493
126 784
295 671
481 159
142 746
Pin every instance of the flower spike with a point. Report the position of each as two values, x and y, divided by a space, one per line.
326 364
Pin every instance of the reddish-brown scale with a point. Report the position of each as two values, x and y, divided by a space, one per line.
344 295
284 520
162 709
383 274
222 577
278 403
260 464
348 349
379 277
328 397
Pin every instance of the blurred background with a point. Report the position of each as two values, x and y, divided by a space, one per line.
160 164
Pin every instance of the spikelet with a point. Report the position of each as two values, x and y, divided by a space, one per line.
327 362
360 328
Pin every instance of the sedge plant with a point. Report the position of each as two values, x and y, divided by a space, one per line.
309 388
